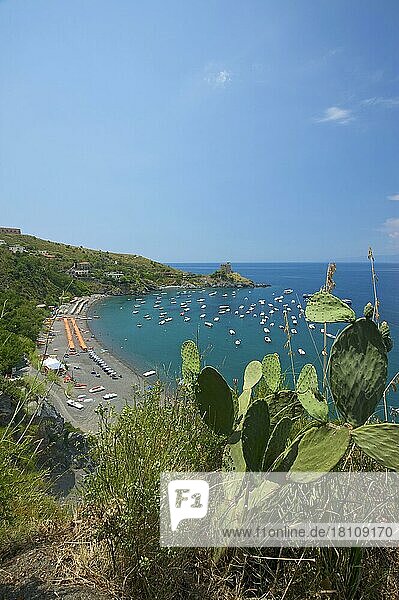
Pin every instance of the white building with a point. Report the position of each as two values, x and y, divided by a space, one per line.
115 275
17 249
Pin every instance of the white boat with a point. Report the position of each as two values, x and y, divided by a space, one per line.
294 331
110 396
139 325
187 319
242 316
203 316
237 342
267 339
232 332
149 373
301 351
135 312
97 388
288 291
266 330
216 319
75 404
312 326
208 324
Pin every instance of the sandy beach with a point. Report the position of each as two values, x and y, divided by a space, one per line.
81 367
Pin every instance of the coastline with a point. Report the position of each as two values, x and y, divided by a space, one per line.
129 383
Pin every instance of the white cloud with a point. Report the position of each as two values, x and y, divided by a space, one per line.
394 197
334 114
391 228
219 78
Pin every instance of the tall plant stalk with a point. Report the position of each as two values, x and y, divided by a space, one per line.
374 278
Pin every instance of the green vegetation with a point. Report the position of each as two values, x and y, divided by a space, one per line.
25 501
268 425
122 496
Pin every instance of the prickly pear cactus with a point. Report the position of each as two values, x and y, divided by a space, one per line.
368 310
271 368
283 404
191 361
215 401
386 335
255 434
320 449
277 442
252 374
358 370
323 307
380 442
308 394
233 457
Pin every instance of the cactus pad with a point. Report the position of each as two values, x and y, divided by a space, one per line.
252 374
283 404
368 310
320 449
243 401
277 442
307 391
358 370
323 307
255 434
191 361
380 442
215 401
271 368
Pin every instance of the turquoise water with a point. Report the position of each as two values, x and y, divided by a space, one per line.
158 346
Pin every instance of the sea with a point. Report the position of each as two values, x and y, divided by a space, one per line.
119 322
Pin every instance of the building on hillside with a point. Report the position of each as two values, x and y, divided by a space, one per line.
226 268
80 269
46 254
2 243
115 275
17 249
15 230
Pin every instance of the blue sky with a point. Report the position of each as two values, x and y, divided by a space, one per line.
202 130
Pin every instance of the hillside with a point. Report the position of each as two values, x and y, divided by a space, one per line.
43 271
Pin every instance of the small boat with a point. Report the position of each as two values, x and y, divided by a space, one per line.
135 312
237 342
139 325
216 319
207 324
187 319
242 316
202 316
294 331
149 373
288 291
267 339
301 351
232 332
312 326
266 330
